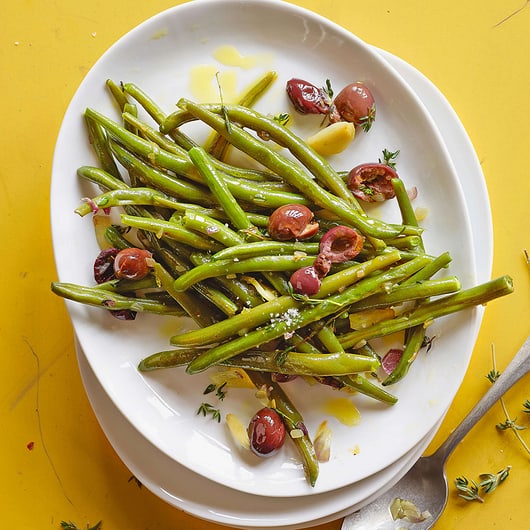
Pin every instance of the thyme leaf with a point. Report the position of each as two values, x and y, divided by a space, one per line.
468 489
328 89
283 118
389 158
72 526
207 409
489 481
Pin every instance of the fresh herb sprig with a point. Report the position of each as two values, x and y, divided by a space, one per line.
509 423
283 118
471 491
220 391
69 525
389 158
206 409
224 110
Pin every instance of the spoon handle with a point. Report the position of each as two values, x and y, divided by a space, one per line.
518 367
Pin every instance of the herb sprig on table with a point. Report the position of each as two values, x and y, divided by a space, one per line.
471 491
509 423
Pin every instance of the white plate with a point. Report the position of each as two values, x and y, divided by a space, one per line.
157 471
158 55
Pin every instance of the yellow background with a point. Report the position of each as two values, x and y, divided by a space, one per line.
480 63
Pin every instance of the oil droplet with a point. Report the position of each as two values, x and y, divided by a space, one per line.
344 410
230 56
207 84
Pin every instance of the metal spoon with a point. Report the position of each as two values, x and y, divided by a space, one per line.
425 484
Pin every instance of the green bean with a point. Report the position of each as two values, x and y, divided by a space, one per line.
363 385
186 143
405 242
217 144
182 148
98 140
316 164
264 312
248 191
195 307
294 175
264 248
405 292
326 335
102 178
293 420
414 336
168 229
246 117
117 93
124 286
228 267
160 180
115 237
425 313
132 110
412 346
145 101
301 318
405 206
219 189
242 292
212 228
154 135
122 197
294 363
430 270
94 296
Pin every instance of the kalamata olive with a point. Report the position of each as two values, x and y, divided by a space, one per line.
355 103
341 243
305 281
292 221
266 432
277 377
322 265
104 265
132 264
307 98
372 182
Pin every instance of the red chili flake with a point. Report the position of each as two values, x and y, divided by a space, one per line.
30 446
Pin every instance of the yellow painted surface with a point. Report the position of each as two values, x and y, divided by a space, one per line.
56 462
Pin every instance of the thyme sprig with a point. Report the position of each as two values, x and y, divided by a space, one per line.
468 489
207 409
509 423
471 491
224 110
526 406
69 525
283 118
389 158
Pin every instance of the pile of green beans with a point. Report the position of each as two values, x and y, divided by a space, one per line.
205 222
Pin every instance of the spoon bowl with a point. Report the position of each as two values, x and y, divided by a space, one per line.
425 484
